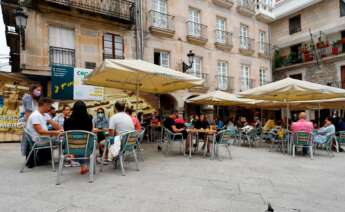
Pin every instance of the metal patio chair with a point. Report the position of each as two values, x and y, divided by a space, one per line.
220 139
173 138
328 144
43 142
81 144
128 145
304 140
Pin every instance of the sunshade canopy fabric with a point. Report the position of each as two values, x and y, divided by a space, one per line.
140 75
293 90
220 98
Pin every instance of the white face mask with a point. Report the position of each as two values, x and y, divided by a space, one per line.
37 93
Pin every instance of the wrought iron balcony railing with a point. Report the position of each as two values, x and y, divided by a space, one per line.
161 20
247 84
246 43
264 49
121 9
197 30
223 37
203 76
61 56
246 4
307 56
225 83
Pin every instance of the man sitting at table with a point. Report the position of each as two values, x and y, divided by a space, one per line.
120 122
302 126
170 124
202 123
37 125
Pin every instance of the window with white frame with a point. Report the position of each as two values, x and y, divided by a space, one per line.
244 34
262 76
245 80
222 76
220 30
262 41
61 46
162 58
196 68
194 22
160 18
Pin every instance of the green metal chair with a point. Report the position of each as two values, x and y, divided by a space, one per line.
304 140
139 141
173 138
81 144
128 145
340 139
218 140
328 144
234 134
43 142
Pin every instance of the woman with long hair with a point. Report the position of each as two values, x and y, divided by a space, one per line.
79 120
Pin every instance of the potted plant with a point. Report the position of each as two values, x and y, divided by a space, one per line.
335 48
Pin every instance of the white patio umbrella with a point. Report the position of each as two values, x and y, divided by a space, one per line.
220 98
139 75
289 90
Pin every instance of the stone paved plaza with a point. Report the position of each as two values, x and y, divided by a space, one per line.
252 178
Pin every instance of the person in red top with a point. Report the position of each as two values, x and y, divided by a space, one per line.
302 125
135 120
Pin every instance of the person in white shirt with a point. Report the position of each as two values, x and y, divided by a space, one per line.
120 122
38 121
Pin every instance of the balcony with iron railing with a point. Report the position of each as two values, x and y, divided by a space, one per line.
122 10
225 83
263 12
223 40
246 83
203 76
325 53
61 56
161 23
196 33
264 50
224 3
246 7
246 46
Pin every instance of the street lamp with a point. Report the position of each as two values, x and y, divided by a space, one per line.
21 21
185 66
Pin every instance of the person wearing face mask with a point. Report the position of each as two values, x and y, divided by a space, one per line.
100 127
30 100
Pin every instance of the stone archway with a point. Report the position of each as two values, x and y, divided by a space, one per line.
168 104
192 109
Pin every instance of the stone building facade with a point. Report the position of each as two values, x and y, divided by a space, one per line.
309 41
78 33
230 40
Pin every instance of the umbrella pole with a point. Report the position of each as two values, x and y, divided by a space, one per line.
261 115
319 116
137 94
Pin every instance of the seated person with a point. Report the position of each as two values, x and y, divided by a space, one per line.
37 125
180 122
325 131
100 127
170 124
270 124
79 120
135 120
219 123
